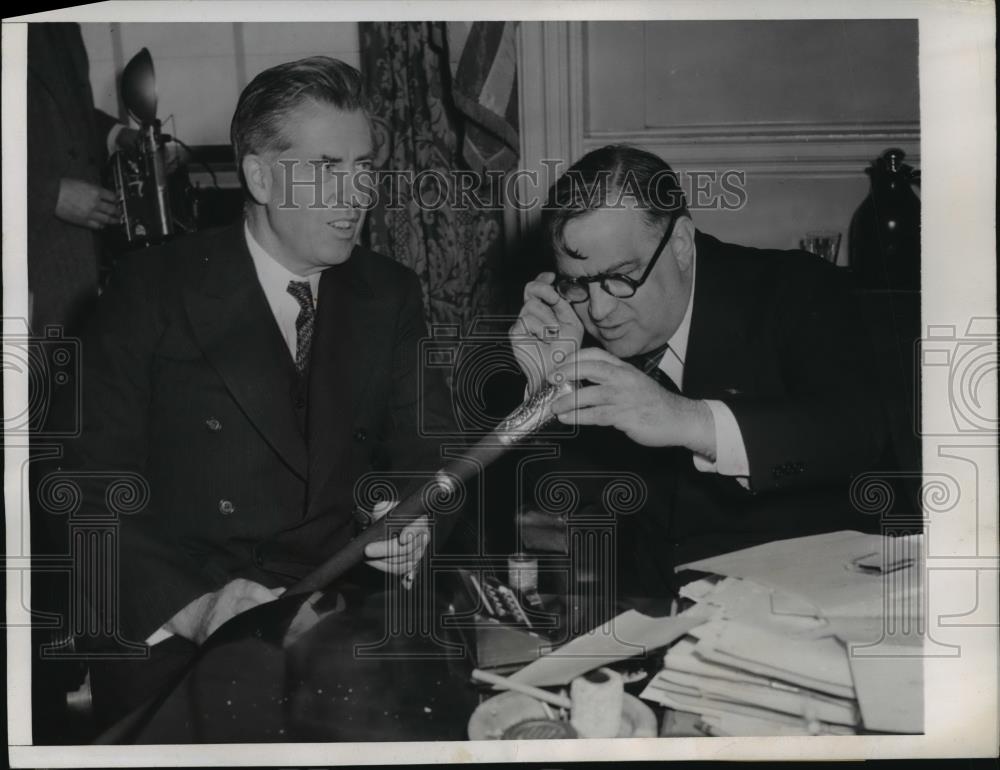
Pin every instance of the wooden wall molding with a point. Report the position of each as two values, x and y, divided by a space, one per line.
550 92
780 149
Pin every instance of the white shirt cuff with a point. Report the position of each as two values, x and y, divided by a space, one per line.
158 636
112 138
730 451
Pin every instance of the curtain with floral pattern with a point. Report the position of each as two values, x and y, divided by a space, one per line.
419 137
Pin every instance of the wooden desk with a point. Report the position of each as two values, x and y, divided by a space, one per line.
363 673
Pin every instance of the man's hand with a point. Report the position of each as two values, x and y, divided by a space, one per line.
400 555
546 332
86 205
623 397
201 617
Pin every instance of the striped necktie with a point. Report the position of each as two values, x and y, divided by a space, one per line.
302 292
649 363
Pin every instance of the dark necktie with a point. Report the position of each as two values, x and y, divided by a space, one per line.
649 364
305 322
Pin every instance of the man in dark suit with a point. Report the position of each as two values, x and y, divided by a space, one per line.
68 144
245 379
735 381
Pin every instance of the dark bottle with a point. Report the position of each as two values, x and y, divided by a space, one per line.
884 239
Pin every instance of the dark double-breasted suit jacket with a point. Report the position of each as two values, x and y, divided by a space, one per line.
189 386
774 336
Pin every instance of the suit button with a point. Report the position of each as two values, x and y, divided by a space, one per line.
213 425
73 154
300 402
226 507
360 435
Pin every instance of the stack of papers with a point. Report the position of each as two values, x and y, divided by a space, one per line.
751 671
795 641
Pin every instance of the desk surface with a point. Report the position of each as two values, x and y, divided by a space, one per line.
355 665
376 669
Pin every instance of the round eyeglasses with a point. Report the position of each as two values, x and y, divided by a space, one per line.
576 290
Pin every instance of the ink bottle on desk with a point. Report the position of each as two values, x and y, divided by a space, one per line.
522 576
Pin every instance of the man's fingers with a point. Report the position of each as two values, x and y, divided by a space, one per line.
566 315
395 547
103 219
585 355
392 567
542 289
593 415
542 311
594 395
377 549
529 325
106 195
107 208
600 372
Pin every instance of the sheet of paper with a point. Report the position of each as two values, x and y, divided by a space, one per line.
742 725
624 636
682 657
796 702
755 604
820 664
890 689
717 707
825 569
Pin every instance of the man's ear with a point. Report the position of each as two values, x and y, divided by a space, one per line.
259 176
682 242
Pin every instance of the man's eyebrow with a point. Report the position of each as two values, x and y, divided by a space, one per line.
614 269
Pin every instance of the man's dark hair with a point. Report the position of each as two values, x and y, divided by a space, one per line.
614 175
263 106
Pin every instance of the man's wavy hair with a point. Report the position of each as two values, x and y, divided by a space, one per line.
614 175
262 110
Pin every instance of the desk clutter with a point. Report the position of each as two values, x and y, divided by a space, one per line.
809 636
597 706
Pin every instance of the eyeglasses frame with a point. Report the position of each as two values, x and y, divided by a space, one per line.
634 283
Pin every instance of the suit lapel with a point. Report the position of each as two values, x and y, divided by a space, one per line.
347 320
238 335
717 342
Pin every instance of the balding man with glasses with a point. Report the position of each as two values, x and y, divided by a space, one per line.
735 381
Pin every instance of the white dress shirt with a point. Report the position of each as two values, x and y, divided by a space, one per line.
273 278
731 454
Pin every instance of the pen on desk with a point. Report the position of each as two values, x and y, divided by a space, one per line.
526 689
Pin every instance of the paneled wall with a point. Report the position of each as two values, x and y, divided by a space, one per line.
799 108
202 67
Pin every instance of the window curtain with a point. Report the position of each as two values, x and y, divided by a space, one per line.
437 109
